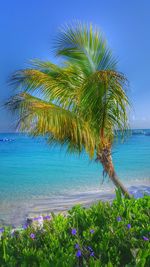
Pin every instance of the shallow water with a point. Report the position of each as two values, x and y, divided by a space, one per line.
35 178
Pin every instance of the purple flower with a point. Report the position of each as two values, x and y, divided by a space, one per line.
47 217
119 219
73 231
90 249
145 238
1 230
92 254
128 225
92 231
32 235
76 246
78 254
35 219
25 226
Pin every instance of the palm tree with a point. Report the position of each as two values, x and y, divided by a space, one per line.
81 102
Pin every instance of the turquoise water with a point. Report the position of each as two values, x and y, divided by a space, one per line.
35 177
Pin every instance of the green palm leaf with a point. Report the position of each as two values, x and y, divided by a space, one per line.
39 117
80 103
85 47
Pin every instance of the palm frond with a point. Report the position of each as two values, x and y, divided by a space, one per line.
80 103
105 100
58 86
38 117
84 46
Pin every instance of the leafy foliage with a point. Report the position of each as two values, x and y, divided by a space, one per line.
79 103
105 234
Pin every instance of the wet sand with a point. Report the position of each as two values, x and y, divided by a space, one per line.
15 213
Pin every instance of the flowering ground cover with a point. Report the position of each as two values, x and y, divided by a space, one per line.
105 234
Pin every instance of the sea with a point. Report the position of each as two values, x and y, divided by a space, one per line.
36 178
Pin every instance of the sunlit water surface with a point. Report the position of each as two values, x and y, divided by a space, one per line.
35 178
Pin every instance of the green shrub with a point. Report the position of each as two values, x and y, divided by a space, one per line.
105 234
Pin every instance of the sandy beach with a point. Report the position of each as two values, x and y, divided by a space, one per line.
16 213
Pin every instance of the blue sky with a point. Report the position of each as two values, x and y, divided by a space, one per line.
28 27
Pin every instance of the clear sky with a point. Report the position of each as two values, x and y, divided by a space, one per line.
27 28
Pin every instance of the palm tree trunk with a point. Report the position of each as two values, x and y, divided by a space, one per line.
106 160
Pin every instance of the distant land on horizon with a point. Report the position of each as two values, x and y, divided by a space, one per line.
17 132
